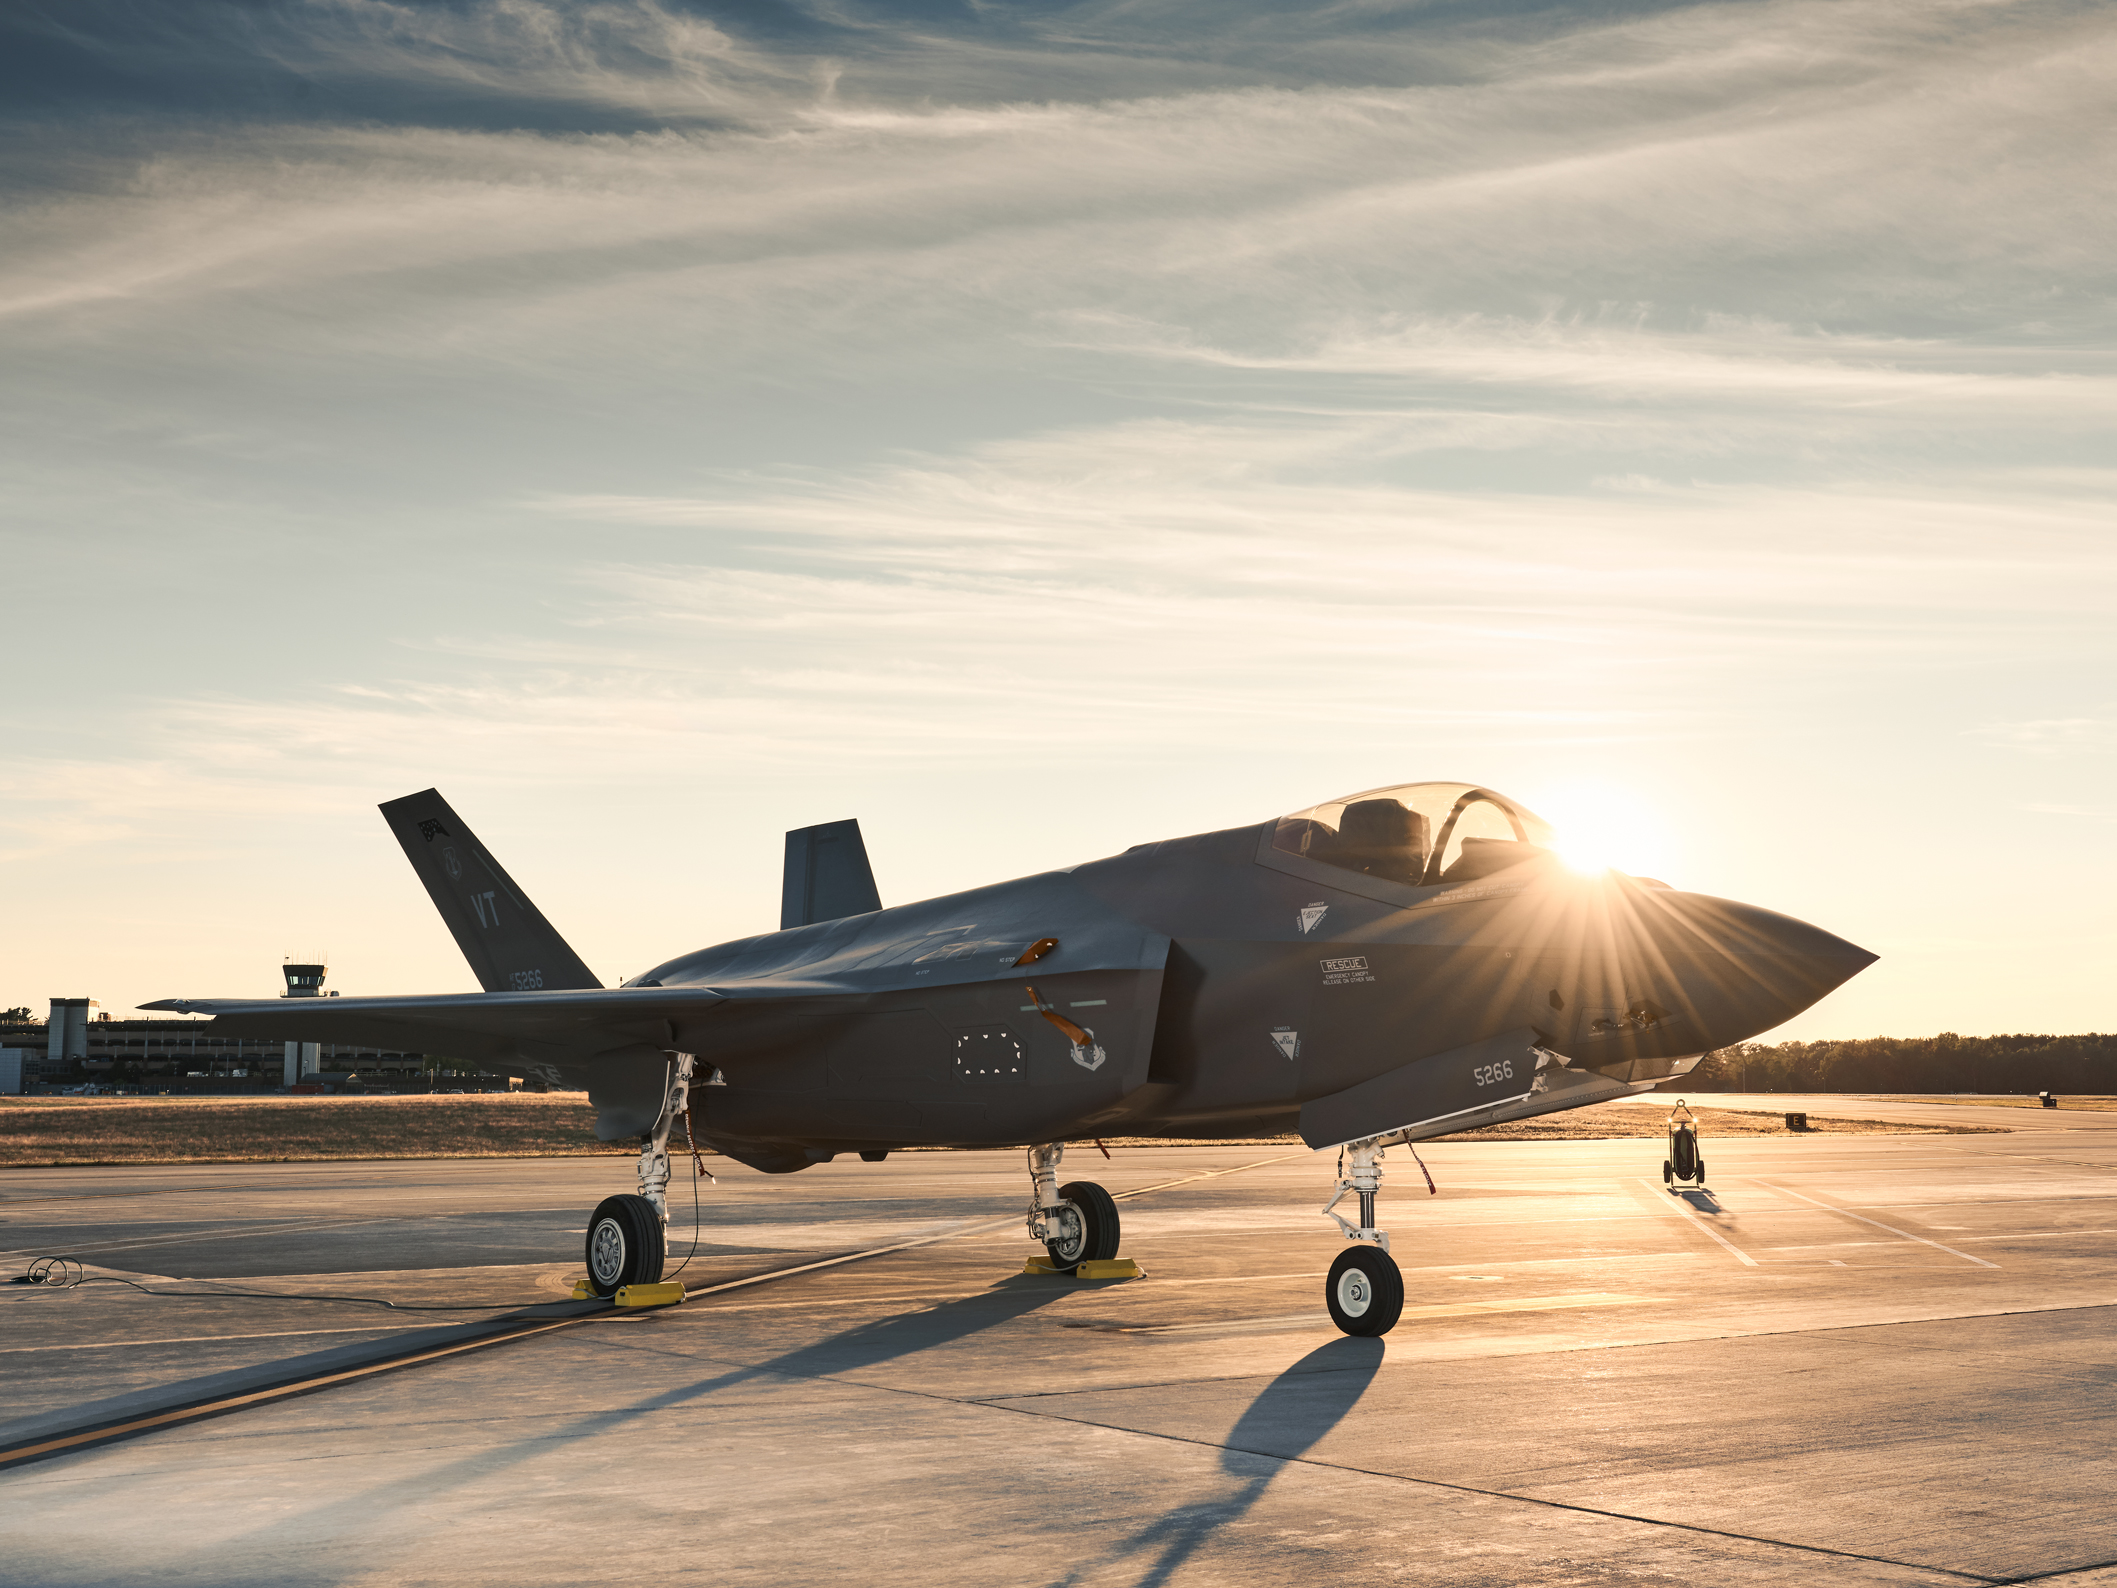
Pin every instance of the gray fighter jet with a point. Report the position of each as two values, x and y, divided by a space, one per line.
1374 970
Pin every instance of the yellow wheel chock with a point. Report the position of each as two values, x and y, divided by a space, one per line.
665 1295
1095 1268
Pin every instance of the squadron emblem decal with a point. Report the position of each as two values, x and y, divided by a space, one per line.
450 863
431 828
1087 1052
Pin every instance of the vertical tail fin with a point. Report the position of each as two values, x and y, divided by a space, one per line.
827 876
510 946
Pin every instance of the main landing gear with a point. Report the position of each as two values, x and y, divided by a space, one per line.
1365 1290
628 1235
1077 1222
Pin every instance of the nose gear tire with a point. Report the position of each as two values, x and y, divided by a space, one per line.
625 1245
1365 1291
1094 1237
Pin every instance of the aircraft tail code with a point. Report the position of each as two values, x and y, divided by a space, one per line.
510 946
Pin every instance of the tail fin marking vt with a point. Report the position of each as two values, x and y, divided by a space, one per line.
510 946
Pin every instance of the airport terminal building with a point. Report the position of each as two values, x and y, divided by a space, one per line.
80 1045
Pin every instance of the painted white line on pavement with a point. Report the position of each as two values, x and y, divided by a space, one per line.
1683 1209
1878 1224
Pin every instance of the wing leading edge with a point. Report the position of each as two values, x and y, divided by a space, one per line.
567 1028
469 1025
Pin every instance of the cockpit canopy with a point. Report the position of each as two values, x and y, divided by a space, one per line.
1420 835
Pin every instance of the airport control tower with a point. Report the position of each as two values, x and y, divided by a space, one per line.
304 980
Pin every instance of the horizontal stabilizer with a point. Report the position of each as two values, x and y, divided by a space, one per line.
827 876
510 946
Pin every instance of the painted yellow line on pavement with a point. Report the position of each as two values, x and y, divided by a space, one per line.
199 1339
185 1414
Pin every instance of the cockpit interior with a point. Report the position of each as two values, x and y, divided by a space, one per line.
1420 835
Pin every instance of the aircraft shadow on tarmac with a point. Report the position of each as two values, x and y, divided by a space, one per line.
867 1346
1292 1413
1282 1424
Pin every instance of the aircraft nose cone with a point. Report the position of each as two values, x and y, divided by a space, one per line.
1745 969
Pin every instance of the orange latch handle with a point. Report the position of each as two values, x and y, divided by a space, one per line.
1074 1034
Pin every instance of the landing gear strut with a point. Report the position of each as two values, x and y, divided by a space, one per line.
628 1235
1077 1222
1365 1290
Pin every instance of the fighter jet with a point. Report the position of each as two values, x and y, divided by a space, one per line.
1372 971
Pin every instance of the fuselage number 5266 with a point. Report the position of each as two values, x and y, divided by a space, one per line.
1488 1074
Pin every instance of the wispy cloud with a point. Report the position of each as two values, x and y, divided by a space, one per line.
2052 736
626 398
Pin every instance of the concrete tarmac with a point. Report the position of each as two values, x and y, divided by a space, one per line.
1880 1359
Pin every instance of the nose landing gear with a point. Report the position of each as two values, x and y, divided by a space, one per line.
1365 1290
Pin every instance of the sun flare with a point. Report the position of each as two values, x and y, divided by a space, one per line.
1604 828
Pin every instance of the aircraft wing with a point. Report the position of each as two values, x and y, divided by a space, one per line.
564 1026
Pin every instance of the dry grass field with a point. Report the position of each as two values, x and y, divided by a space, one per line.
2007 1100
46 1132
1634 1122
1654 1121
50 1131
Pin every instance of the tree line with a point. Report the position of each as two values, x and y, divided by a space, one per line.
1946 1063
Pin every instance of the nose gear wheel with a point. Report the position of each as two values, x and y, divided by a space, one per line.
1365 1291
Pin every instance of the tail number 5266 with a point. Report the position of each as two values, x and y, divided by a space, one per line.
1489 1074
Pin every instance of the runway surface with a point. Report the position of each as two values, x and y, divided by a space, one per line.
1881 1359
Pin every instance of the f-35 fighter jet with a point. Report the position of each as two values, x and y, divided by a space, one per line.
1374 970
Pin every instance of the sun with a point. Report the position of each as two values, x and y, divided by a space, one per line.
1604 827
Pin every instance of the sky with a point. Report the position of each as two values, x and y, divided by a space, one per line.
1036 429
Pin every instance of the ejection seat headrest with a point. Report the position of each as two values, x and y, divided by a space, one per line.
1382 825
1384 839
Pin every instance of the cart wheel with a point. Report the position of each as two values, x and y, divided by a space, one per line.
1701 1171
1668 1171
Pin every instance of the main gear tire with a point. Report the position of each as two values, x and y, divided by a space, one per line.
1091 1235
1365 1291
625 1245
